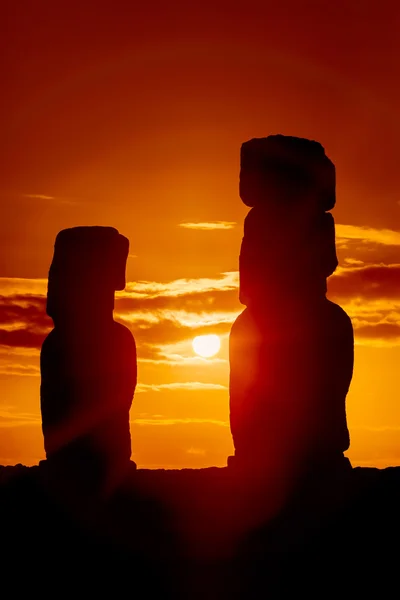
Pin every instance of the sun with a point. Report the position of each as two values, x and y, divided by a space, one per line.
206 345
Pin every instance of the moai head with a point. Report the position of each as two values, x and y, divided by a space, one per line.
88 267
289 238
280 170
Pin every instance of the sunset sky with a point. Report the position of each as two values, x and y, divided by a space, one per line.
133 116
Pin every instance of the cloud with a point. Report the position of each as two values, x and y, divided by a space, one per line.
370 294
150 289
189 421
187 385
16 286
20 370
23 321
387 237
38 196
162 314
378 429
169 325
210 225
368 282
23 338
135 290
379 334
162 358
197 309
169 342
366 244
353 261
58 199
196 451
9 417
14 309
18 353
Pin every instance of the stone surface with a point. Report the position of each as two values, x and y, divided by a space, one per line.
88 262
88 361
287 163
291 350
285 255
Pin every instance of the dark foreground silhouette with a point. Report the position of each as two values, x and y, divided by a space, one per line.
291 349
88 361
176 534
289 516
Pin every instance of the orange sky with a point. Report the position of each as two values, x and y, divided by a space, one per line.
134 118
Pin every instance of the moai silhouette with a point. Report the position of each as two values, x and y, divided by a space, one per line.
88 361
291 349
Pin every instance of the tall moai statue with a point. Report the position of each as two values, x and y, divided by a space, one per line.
88 361
291 349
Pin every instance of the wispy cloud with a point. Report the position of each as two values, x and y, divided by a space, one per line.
370 294
17 286
377 429
144 319
349 232
186 385
162 314
10 417
368 282
181 361
196 451
46 197
387 237
39 196
20 370
209 225
172 421
227 281
18 353
353 261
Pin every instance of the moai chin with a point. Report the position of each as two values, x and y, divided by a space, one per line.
291 349
88 361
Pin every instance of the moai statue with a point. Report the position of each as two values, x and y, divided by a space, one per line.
291 349
88 361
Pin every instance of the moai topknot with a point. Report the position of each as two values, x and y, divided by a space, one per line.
291 350
88 361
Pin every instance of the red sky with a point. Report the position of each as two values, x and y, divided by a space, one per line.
132 115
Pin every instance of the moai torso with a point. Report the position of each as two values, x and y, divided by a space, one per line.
291 350
88 383
88 361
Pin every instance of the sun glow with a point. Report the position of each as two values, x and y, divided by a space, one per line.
206 345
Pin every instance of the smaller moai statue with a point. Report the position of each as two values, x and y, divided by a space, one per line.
291 349
88 361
